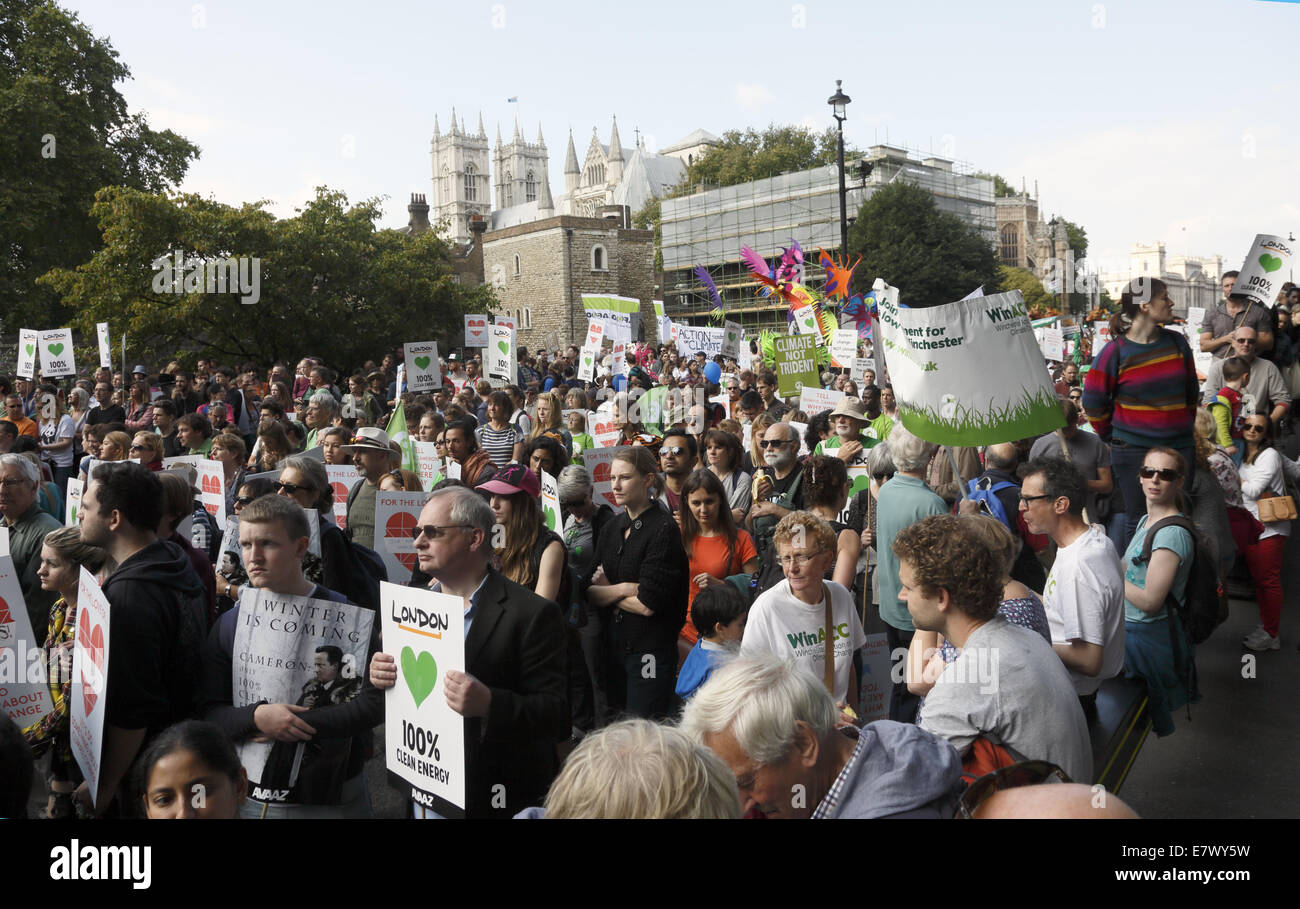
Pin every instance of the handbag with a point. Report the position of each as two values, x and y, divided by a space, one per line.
1273 507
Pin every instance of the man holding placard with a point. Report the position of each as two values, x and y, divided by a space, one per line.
513 691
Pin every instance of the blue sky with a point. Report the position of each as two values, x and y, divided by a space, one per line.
1142 121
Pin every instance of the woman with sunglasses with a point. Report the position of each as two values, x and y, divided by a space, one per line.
1261 478
1156 647
642 575
148 448
1142 391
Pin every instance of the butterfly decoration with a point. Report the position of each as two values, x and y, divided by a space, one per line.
838 278
790 268
703 274
862 309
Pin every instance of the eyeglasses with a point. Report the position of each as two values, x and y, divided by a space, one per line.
775 443
241 501
291 488
138 447
1254 427
434 531
1028 499
1245 340
1168 474
675 450
802 559
1024 773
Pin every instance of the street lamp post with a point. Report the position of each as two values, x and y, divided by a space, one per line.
838 102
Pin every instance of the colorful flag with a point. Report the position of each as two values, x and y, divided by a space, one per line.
397 433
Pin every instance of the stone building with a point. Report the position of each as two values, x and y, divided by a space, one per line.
1024 239
461 176
541 269
1193 280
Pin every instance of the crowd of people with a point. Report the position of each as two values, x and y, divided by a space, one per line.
691 644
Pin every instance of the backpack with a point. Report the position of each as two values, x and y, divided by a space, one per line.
983 491
1206 606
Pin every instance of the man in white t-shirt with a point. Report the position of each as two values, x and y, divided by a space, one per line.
789 619
1084 597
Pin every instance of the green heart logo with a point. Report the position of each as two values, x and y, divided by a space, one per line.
57 349
422 362
1270 263
31 349
549 514
420 673
503 346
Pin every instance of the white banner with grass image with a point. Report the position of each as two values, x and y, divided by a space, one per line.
969 372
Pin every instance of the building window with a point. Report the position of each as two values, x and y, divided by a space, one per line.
528 317
517 263
446 185
510 189
530 188
1010 245
471 183
598 259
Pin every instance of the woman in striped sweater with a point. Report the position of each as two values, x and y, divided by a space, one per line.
1142 391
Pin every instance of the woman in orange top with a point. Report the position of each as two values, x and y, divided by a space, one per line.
715 546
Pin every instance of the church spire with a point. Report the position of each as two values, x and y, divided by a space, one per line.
517 135
572 174
435 126
498 134
540 140
453 120
615 146
482 134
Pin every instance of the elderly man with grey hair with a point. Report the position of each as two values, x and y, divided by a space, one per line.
512 693
904 500
321 411
774 725
19 486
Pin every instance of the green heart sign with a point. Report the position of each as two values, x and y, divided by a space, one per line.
1270 263
420 673
31 349
422 363
503 346
57 349
549 514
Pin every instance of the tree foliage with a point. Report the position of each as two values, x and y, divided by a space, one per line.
750 155
932 257
1038 301
331 284
67 133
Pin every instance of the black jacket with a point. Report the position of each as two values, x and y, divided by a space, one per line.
159 619
653 557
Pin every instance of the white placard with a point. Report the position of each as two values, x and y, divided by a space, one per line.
342 478
89 679
105 353
1052 343
619 361
423 374
499 359
73 504
694 338
860 366
550 502
587 364
595 334
1267 265
805 321
57 358
801 432
598 461
453 469
813 401
27 344
732 333
603 428
844 347
1195 316
476 330
508 321
426 456
396 515
212 488
401 379
424 745
24 691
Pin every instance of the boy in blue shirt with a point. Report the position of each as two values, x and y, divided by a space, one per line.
719 614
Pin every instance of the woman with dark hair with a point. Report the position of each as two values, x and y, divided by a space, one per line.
643 575
191 770
529 554
546 454
502 440
1262 479
274 447
723 456
715 546
139 408
826 492
1142 391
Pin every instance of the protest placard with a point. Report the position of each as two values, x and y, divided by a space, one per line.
587 364
476 330
694 338
860 366
969 372
1267 264
598 460
57 358
342 478
595 333
24 694
426 456
423 374
618 359
805 321
89 679
396 515
801 433
814 400
307 652
27 341
619 315
211 481
73 503
230 558
603 427
424 744
1052 344
105 354
501 363
550 502
508 321
844 347
796 363
732 332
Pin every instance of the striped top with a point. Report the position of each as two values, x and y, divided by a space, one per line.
1143 394
499 444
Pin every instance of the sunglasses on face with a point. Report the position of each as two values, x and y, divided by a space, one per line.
774 443
291 488
1254 427
675 450
1168 474
241 501
435 531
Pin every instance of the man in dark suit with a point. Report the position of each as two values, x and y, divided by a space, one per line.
514 694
